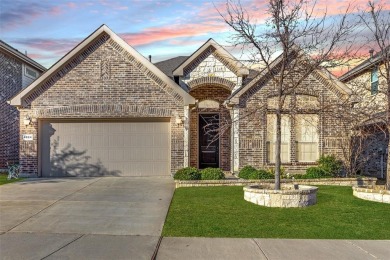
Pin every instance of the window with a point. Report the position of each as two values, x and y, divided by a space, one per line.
30 73
307 138
271 138
374 81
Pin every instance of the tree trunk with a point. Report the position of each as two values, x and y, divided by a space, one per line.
278 149
388 153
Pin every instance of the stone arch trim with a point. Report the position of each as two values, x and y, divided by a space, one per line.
227 84
104 111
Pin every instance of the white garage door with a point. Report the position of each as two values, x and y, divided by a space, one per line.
104 148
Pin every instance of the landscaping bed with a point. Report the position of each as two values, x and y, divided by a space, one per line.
242 182
222 212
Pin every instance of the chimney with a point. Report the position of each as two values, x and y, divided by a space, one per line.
25 53
150 58
371 52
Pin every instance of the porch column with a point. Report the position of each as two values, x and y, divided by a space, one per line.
236 139
186 136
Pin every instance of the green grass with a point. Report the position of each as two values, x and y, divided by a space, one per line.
3 179
223 212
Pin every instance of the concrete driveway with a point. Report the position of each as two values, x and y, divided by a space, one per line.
83 218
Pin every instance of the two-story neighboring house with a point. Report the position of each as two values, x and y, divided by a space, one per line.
17 71
369 84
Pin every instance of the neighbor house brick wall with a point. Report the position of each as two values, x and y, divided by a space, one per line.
253 123
219 94
10 84
104 81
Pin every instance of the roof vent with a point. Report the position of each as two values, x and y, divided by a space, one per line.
150 58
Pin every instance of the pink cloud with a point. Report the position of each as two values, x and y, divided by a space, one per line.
55 10
71 5
150 35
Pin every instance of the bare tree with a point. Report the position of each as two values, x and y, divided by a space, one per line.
358 125
306 41
377 20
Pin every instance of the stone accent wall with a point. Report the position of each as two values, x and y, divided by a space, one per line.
10 84
219 94
207 66
103 82
253 122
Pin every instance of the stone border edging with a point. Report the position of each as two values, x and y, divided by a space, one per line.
241 182
371 194
290 195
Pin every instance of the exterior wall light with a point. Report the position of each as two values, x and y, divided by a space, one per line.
26 120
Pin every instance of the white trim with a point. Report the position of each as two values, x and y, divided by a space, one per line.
186 136
18 99
236 139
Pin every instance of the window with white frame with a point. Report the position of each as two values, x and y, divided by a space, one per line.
285 138
307 137
374 81
30 73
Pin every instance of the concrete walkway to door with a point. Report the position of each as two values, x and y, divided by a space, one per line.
107 218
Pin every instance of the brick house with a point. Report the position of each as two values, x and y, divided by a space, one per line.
16 72
367 81
104 109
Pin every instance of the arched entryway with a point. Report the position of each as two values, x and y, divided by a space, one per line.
210 136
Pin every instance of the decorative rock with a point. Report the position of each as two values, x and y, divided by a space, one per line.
290 196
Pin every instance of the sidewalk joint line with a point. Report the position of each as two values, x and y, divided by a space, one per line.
157 248
67 244
362 249
260 249
48 206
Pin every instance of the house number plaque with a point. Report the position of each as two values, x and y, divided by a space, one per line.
28 137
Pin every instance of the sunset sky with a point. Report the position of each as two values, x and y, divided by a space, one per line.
48 29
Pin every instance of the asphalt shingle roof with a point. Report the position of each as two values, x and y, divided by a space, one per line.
168 66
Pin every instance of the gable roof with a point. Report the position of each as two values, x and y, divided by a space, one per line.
167 66
18 99
365 65
24 58
238 68
263 74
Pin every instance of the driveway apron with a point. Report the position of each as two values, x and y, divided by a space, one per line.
89 217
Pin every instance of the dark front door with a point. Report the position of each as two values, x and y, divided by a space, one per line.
208 141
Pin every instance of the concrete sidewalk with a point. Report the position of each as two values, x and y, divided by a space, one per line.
272 249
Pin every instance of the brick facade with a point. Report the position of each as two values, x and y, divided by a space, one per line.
254 106
10 83
103 82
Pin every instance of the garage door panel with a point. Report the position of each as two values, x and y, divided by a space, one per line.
105 148
99 140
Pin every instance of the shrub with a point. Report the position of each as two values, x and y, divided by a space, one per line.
246 172
315 173
261 175
188 173
212 174
330 165
282 171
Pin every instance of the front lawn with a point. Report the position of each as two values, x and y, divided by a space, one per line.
223 212
3 179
